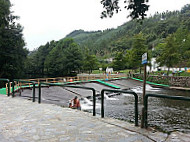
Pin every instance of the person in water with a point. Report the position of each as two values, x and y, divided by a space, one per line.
70 104
76 103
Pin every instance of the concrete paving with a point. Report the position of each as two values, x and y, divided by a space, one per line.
24 121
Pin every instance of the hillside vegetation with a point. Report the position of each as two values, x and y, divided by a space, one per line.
168 33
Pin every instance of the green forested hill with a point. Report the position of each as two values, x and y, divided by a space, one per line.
155 28
168 33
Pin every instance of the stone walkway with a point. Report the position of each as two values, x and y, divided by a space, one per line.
24 121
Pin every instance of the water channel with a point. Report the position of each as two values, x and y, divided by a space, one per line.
164 114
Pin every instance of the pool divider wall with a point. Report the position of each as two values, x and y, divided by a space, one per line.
107 84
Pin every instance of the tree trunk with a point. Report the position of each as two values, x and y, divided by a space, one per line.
168 71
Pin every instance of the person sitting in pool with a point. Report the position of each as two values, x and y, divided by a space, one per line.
76 103
70 104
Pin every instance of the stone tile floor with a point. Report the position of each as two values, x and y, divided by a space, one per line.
24 121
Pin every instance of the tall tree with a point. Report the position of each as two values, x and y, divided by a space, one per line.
119 62
90 62
181 39
169 55
186 46
73 59
11 43
139 47
54 62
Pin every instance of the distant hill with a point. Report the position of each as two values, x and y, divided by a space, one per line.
155 28
81 36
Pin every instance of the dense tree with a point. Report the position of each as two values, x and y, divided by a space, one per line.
54 62
11 43
90 62
35 63
129 59
185 51
169 55
119 62
73 59
122 44
158 50
139 47
180 39
137 7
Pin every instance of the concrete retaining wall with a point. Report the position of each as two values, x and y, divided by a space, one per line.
180 81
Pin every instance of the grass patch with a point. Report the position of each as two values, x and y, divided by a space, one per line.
97 72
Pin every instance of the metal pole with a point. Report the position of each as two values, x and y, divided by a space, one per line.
19 88
144 82
33 92
143 97
94 102
102 103
39 98
13 88
145 111
136 110
8 88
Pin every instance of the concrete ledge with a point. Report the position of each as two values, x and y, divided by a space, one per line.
180 88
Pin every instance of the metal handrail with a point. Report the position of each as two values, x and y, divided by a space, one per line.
7 80
23 81
159 96
71 86
120 91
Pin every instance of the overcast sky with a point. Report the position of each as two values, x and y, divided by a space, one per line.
46 20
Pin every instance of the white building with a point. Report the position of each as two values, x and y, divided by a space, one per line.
155 67
109 70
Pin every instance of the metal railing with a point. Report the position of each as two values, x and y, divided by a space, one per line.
7 80
120 91
159 96
23 81
71 86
